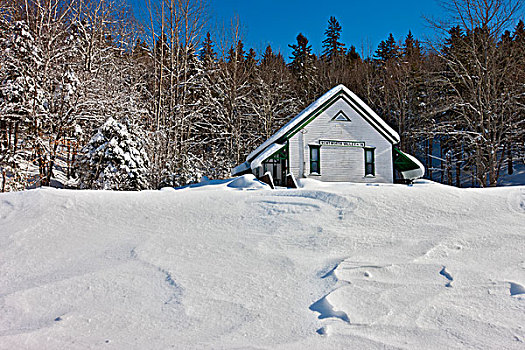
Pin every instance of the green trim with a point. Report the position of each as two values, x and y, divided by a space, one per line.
373 163
369 119
279 157
281 154
318 148
402 162
351 102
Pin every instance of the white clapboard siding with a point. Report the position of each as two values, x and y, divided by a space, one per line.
342 163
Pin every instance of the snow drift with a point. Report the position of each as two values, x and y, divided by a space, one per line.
215 266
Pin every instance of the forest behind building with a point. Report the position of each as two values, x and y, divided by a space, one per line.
92 97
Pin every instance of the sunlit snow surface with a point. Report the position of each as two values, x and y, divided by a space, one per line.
234 265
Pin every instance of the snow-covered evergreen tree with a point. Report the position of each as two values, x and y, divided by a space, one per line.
114 159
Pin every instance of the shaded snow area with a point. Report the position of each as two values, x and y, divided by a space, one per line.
234 265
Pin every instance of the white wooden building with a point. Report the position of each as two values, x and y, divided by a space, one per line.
336 138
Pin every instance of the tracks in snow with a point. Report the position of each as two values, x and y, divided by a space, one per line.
366 293
176 289
516 201
301 201
447 275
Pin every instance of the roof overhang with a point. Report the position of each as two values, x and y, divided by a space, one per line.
408 166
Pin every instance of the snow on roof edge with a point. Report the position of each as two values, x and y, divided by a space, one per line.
240 168
268 152
414 173
294 121
377 118
313 106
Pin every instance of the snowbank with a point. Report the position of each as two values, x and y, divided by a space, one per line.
214 267
243 182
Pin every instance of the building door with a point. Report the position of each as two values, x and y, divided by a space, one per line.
277 165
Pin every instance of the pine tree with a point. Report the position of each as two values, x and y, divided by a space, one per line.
332 48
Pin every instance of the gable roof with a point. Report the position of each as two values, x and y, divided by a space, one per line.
314 110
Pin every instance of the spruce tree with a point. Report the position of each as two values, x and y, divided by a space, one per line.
304 69
332 48
411 47
207 54
251 61
352 54
387 50
301 54
114 159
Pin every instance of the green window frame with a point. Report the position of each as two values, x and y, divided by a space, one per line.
315 159
370 161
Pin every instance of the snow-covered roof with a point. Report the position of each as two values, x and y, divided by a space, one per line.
296 121
268 152
241 168
414 173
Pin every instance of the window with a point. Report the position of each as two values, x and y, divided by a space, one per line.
370 168
341 117
315 159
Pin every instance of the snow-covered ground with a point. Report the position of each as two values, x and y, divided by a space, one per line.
234 265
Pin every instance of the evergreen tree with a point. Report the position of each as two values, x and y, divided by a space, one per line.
332 48
352 55
207 54
519 32
273 99
454 42
301 54
411 47
114 159
304 69
387 50
236 53
251 61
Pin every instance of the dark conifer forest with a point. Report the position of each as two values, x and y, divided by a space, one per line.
91 97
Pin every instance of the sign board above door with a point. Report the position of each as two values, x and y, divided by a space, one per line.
341 143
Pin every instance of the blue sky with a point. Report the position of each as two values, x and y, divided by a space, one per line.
277 22
365 23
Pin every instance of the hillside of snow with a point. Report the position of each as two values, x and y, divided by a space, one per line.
235 265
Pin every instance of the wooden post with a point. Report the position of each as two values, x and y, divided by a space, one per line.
3 180
458 172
